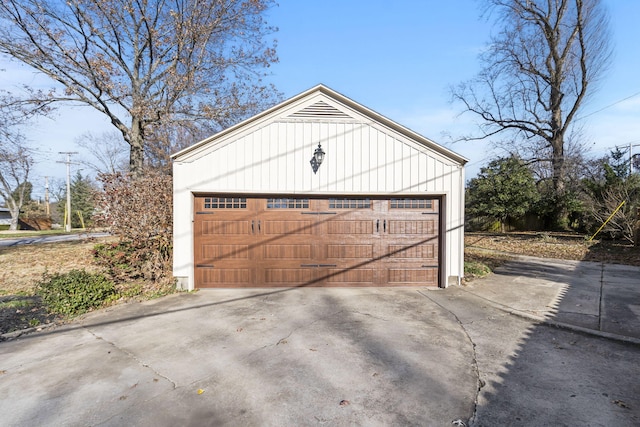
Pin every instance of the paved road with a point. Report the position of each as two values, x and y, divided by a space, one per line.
48 239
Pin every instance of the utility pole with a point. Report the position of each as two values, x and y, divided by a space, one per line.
67 225
46 196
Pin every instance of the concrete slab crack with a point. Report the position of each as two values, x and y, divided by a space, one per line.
601 302
133 356
369 315
480 383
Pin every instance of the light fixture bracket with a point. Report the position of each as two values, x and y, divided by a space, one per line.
317 159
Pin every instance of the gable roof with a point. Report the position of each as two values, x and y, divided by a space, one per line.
324 110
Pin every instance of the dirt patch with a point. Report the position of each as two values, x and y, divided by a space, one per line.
19 313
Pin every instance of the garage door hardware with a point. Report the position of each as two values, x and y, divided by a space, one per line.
317 265
204 265
319 213
384 226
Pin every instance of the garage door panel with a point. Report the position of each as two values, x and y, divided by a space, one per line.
215 277
226 228
424 227
350 276
288 227
289 276
417 252
349 251
349 227
410 276
287 252
212 252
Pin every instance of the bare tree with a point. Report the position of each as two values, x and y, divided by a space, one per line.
147 63
537 72
15 156
108 152
15 165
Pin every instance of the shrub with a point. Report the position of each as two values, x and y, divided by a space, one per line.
75 292
117 259
475 269
504 190
139 212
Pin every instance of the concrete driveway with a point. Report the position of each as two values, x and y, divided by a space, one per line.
539 343
284 358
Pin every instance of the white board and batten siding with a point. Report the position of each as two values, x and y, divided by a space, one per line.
366 154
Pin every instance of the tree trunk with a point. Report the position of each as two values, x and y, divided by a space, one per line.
560 213
556 141
15 214
636 234
136 153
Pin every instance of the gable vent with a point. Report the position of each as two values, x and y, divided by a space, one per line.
321 110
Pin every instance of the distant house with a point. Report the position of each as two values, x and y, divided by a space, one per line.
5 216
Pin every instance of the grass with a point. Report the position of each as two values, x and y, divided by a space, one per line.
23 266
480 263
15 304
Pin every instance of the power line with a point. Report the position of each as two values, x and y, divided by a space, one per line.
608 106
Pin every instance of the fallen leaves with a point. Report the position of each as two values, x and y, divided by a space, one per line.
550 245
620 403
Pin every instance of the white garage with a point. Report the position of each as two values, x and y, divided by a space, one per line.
318 191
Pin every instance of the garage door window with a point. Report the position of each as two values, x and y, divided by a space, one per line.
411 204
349 204
225 203
287 203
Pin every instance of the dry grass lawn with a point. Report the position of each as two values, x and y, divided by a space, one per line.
553 245
24 265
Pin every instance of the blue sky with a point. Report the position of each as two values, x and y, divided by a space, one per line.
398 58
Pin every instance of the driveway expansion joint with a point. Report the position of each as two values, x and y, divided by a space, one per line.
554 323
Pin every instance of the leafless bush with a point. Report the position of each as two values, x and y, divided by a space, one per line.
139 212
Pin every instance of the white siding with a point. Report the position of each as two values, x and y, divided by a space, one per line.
272 157
360 160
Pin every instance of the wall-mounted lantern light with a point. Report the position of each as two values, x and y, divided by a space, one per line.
317 159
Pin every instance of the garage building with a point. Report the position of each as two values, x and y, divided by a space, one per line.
318 191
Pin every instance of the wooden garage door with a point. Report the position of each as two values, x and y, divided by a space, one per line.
287 242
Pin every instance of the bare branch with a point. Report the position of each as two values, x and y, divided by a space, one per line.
537 72
145 64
